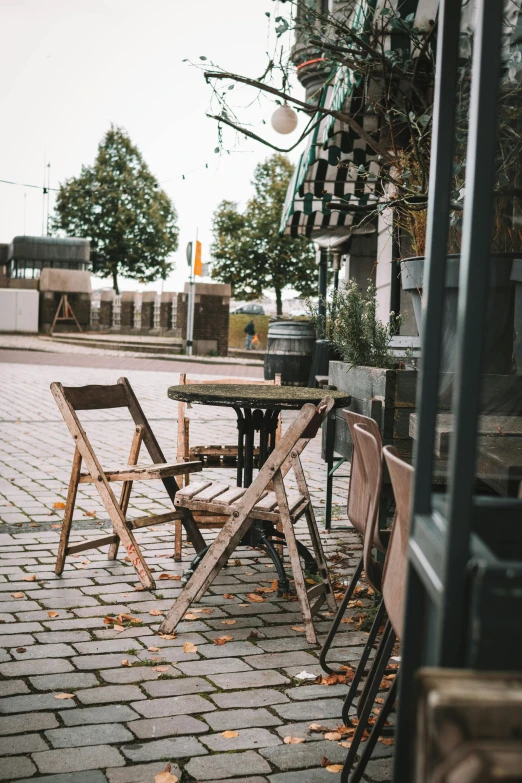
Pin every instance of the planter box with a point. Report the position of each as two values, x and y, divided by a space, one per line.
388 396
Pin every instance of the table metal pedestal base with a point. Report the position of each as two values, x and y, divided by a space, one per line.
261 535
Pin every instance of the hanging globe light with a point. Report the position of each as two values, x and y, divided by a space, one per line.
284 119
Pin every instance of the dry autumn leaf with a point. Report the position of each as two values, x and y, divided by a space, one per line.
118 628
316 727
56 526
255 598
167 635
125 662
222 640
155 612
18 595
229 734
153 649
228 595
334 768
64 695
160 668
228 622
387 740
346 744
29 578
191 616
293 740
165 777
298 628
90 514
188 647
174 577
332 736
58 504
325 761
53 614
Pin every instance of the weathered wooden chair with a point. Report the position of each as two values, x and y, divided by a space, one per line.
241 506
393 592
120 395
365 487
212 456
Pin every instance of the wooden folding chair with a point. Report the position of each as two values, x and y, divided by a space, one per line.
213 455
120 395
241 506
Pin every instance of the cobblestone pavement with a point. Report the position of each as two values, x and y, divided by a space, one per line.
172 703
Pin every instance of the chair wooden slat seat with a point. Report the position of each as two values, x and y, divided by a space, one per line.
145 472
228 499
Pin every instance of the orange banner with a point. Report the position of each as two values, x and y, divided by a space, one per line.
198 263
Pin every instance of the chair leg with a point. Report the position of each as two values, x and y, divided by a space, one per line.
178 540
69 510
389 641
329 493
127 485
366 687
359 672
337 620
377 731
319 556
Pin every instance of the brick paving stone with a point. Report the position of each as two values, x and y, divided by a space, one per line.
24 743
44 651
140 773
43 666
126 675
319 708
303 729
179 687
214 666
319 775
152 728
304 692
68 637
107 646
241 719
18 724
110 693
246 740
88 735
250 679
17 627
16 767
78 759
114 713
92 776
18 606
16 640
241 622
281 660
178 747
61 682
101 661
225 765
31 703
229 649
13 687
256 698
308 754
177 705
287 644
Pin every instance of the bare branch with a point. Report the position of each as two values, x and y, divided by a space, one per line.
254 136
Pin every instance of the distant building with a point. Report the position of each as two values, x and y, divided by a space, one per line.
25 257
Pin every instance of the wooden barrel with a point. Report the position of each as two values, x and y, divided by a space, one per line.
289 351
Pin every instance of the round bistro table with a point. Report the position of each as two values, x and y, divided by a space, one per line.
258 409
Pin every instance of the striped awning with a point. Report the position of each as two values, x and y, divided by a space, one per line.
337 165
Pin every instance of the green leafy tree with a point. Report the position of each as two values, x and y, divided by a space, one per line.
247 249
118 205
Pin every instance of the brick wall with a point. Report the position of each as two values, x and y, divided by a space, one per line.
49 301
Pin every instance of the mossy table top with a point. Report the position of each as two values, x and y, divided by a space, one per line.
254 395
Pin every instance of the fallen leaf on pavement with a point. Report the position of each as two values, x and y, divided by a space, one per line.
228 622
317 727
222 640
254 597
191 616
387 740
174 577
119 628
160 668
56 526
90 513
18 595
188 647
59 504
155 612
297 627
293 740
166 776
125 662
237 562
53 614
228 595
167 635
64 695
21 649
153 649
29 578
229 734
332 736
334 768
139 588
324 761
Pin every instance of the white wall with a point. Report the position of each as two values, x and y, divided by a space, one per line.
18 310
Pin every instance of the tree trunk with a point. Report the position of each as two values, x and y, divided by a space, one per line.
279 302
115 281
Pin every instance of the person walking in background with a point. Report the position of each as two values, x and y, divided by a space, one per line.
250 331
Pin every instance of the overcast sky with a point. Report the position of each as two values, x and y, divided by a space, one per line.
68 68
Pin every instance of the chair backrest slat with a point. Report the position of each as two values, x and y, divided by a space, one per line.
370 453
395 566
359 493
92 398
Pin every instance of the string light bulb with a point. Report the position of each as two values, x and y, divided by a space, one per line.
284 119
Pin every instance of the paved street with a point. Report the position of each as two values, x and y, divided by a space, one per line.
70 710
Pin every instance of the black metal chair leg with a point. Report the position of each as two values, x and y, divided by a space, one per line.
364 692
359 672
377 732
337 619
388 642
